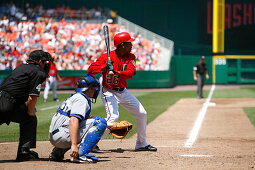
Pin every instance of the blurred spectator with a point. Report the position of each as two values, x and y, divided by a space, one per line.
113 15
76 44
29 12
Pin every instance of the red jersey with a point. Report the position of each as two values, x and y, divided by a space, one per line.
125 65
53 70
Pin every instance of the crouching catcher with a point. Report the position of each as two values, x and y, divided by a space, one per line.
73 124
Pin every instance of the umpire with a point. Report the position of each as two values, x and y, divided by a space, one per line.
18 97
199 71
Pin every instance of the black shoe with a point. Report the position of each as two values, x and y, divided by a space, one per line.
147 148
56 100
96 149
27 155
56 158
57 154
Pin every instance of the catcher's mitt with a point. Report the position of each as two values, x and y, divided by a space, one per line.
120 129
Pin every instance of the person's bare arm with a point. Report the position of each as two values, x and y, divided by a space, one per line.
58 77
206 75
31 102
194 75
73 130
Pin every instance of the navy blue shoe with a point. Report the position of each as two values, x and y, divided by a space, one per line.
147 148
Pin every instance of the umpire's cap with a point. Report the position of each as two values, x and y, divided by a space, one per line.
39 55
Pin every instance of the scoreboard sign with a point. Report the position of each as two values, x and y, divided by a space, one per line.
239 23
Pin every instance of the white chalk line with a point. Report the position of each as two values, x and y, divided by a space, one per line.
194 132
48 108
56 106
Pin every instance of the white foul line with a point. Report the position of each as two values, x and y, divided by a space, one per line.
197 156
194 132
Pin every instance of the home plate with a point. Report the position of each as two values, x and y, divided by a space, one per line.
212 104
197 156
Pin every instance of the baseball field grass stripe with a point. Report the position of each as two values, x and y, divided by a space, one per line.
195 130
48 108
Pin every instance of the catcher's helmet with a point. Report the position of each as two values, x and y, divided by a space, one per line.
88 81
39 55
122 37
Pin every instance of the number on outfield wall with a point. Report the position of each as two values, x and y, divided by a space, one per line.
220 61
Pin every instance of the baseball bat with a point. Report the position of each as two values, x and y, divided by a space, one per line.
107 42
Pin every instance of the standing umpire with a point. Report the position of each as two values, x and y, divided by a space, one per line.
18 97
199 71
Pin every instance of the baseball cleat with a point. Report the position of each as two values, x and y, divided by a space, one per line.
88 158
56 99
57 154
147 148
56 158
96 149
27 156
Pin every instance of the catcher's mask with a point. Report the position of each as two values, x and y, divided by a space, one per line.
86 82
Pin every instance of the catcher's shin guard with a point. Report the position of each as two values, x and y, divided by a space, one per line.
93 136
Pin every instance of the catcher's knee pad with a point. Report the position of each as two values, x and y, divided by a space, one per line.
100 123
93 136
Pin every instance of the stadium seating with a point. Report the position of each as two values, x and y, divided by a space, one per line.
75 44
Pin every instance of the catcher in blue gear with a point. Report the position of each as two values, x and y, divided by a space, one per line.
73 124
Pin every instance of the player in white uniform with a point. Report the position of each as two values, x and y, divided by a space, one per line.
73 124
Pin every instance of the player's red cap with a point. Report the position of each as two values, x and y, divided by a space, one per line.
122 37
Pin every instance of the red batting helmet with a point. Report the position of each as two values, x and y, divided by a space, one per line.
122 37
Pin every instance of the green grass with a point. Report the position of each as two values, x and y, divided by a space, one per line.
154 102
250 111
244 92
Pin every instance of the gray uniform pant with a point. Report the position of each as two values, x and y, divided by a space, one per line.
60 137
200 85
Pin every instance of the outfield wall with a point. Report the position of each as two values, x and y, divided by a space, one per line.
184 69
234 69
142 79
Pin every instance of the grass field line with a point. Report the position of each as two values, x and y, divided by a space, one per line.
56 106
195 130
94 106
50 107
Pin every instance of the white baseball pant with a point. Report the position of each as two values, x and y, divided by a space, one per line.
112 99
51 82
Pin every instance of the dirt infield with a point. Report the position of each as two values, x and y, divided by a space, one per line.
226 140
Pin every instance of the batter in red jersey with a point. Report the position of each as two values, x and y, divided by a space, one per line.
114 92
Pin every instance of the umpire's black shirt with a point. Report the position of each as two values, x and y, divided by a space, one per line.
24 81
200 68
